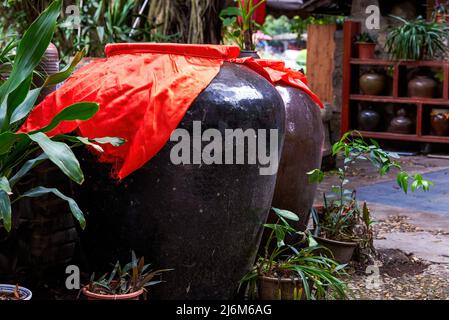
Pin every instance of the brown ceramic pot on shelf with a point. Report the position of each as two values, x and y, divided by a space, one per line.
372 83
368 119
422 86
439 122
402 123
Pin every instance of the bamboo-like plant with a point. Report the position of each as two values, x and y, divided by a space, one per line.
21 152
320 276
343 219
238 23
417 40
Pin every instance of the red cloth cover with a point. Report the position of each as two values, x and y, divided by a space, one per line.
143 91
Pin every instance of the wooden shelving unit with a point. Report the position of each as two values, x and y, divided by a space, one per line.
350 99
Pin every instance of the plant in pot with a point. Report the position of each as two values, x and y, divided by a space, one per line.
440 12
239 25
124 283
293 271
20 152
365 45
341 224
417 40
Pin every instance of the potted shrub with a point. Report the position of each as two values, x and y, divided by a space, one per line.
21 152
127 283
365 45
441 11
14 292
417 40
341 224
293 272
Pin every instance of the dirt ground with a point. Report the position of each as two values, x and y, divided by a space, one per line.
413 246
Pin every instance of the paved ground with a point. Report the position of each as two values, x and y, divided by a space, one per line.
412 237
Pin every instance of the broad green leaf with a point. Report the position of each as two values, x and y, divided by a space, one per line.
4 185
402 180
31 48
116 142
231 11
61 155
312 241
17 97
26 106
27 166
66 72
78 111
76 211
315 176
5 210
286 214
7 140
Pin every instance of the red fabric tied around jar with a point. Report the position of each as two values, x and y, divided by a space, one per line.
144 91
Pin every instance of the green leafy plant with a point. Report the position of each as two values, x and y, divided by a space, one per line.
130 278
238 24
417 40
103 22
342 218
21 152
319 275
364 37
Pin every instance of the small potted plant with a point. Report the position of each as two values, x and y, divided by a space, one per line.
14 292
441 12
124 283
294 271
417 40
341 224
365 45
239 25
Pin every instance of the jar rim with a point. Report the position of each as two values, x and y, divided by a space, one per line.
192 50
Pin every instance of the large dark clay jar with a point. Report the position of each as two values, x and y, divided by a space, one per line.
204 221
422 86
368 119
304 138
372 83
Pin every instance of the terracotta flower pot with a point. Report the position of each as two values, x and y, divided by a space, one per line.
342 251
96 296
270 288
366 50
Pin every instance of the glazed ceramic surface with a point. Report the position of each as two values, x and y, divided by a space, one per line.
204 221
372 83
422 86
304 138
24 292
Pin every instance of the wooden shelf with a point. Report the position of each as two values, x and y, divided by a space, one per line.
403 137
407 100
411 63
352 68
